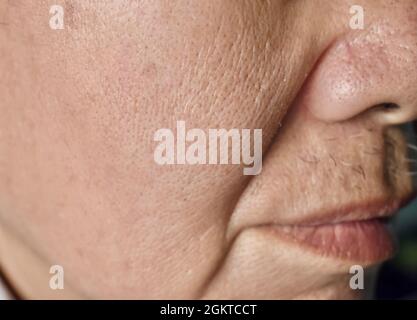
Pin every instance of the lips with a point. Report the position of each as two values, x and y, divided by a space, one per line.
360 235
327 190
366 241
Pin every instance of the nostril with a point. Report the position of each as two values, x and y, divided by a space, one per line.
388 106
391 113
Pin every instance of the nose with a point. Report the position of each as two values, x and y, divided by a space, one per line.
373 71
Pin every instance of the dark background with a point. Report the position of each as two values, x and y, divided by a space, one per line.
397 278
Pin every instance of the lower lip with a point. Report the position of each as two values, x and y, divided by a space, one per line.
362 241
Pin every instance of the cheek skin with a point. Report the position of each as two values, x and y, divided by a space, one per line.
80 161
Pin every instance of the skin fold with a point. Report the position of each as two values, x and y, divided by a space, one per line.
79 107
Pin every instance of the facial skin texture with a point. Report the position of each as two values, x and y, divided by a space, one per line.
79 107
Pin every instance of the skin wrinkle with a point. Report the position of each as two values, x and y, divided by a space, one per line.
206 283
218 265
230 241
277 131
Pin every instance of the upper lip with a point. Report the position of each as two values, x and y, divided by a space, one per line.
371 209
385 191
378 208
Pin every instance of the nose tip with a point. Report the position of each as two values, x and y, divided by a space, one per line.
373 72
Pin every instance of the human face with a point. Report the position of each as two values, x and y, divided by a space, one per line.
79 107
